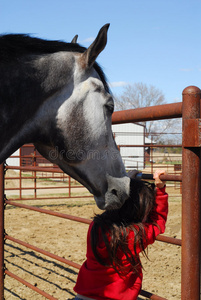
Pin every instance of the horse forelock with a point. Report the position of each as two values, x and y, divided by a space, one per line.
16 46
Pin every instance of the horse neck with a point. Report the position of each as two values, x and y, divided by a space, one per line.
24 87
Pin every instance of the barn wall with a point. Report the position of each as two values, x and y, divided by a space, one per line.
14 161
130 134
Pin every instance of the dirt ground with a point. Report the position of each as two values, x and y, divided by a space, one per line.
162 272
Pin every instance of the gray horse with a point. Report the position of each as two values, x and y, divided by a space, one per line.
55 95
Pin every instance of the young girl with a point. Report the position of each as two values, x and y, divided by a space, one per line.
113 269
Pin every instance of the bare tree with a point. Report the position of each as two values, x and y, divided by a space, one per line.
140 95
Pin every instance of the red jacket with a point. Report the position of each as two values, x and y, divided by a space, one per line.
100 282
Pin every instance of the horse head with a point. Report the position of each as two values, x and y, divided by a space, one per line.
59 100
82 142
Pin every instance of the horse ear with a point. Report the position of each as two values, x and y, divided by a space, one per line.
74 40
88 58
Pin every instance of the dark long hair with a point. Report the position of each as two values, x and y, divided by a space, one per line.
114 227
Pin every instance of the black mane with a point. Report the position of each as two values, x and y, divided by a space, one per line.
15 46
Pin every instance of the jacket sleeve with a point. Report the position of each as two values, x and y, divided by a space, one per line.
158 217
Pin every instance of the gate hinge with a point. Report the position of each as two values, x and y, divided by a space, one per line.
191 133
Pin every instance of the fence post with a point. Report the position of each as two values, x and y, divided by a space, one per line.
191 182
2 231
35 177
69 186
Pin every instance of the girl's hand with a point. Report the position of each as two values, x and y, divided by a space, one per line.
159 183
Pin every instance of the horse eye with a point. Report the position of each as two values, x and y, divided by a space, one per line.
110 106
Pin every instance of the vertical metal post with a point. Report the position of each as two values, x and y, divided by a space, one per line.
20 185
34 164
2 231
144 160
20 177
69 186
151 156
191 182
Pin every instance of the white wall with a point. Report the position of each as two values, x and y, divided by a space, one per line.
14 161
130 134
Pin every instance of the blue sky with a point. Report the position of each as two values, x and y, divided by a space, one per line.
156 42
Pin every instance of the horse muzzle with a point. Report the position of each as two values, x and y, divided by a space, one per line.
117 193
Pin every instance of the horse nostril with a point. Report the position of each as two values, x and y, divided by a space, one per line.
114 192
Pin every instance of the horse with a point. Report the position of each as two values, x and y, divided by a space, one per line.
54 94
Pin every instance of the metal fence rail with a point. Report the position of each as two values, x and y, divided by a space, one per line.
49 171
29 285
161 238
35 176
